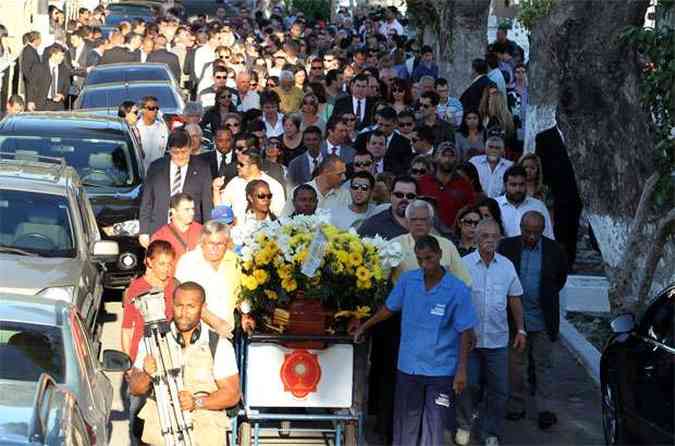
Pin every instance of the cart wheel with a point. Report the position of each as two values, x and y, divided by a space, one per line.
245 434
351 435
285 429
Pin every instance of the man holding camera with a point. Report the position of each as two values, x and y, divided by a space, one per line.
209 372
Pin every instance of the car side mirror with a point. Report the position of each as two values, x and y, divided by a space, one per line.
624 323
105 251
115 361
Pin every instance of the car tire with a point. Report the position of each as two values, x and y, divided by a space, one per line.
612 421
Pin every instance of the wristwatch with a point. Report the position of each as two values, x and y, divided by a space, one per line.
522 332
199 403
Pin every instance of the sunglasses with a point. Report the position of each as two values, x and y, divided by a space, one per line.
317 68
221 77
406 124
471 222
273 143
253 84
233 124
425 105
363 163
418 171
240 148
226 97
396 90
401 195
264 196
361 187
271 85
152 108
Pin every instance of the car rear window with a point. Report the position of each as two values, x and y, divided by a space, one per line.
129 74
28 350
113 97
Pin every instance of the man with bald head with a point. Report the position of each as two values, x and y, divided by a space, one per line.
248 98
542 268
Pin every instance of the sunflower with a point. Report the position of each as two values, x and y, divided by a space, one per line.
289 285
249 282
362 274
355 259
261 276
363 284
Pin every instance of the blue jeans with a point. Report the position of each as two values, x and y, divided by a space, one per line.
423 408
492 365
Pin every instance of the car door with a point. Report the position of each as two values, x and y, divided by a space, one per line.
654 360
92 275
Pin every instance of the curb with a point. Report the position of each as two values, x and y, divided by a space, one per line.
584 351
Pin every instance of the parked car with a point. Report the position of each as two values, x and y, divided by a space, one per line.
49 241
104 99
43 336
129 72
107 156
42 414
636 374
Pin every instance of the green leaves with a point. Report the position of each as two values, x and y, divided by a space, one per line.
530 11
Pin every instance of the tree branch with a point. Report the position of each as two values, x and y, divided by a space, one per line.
629 259
654 255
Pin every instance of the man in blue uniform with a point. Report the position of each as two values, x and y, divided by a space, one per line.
436 332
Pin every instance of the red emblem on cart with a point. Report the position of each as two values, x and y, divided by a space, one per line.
300 373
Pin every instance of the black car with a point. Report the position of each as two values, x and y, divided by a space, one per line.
636 374
129 72
107 156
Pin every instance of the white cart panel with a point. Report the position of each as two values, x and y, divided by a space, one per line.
265 386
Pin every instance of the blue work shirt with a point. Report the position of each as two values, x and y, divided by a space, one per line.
431 322
530 277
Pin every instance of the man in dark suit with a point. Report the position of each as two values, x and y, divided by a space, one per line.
30 59
168 176
95 54
542 268
51 84
161 55
337 135
302 167
558 175
117 53
470 99
398 150
357 102
221 161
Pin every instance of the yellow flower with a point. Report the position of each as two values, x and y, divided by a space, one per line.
342 256
316 280
377 273
289 285
261 276
355 259
260 238
271 294
363 284
261 258
355 246
362 274
361 312
247 265
301 256
249 282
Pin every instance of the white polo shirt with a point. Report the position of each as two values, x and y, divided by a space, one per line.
492 181
512 214
491 285
234 195
153 140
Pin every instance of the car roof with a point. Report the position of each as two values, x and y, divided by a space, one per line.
37 174
122 65
128 84
63 124
33 310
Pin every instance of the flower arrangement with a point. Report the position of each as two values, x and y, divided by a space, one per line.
350 275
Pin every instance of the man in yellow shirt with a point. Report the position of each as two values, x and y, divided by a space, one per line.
290 96
419 217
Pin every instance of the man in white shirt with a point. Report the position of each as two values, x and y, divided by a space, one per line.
154 133
495 292
205 55
336 136
271 117
361 190
327 186
391 23
249 167
248 99
515 203
491 167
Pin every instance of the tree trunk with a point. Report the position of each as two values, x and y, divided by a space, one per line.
581 74
457 30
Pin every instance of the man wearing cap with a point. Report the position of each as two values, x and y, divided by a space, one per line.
183 231
168 176
450 190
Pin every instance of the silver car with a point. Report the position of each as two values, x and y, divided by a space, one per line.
41 336
49 241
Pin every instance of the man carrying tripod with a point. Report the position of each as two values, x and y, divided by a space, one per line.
209 373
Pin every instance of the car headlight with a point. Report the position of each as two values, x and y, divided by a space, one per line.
64 293
126 228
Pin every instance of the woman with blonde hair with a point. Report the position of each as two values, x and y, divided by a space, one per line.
494 112
534 181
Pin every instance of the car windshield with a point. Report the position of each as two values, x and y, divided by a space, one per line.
112 97
29 350
100 162
36 224
129 74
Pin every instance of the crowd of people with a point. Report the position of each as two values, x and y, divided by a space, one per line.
288 115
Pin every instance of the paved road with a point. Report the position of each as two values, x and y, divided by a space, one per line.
576 401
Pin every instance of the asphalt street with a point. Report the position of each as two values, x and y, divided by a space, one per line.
576 401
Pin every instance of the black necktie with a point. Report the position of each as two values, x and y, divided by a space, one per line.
221 167
358 110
